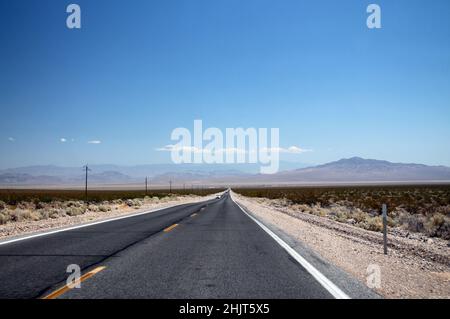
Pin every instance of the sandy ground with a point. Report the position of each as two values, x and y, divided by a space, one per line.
413 268
27 227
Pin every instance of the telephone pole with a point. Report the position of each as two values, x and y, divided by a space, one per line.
170 187
86 168
146 186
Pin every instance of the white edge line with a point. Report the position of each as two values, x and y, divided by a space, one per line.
324 281
86 225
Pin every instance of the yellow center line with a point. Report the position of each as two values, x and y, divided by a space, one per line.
66 288
168 229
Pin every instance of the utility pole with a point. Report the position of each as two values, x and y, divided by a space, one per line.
146 186
170 187
86 168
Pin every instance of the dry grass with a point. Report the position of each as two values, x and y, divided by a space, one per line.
13 197
35 205
421 209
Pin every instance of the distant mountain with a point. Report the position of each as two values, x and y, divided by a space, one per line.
349 170
357 169
116 174
27 179
193 176
107 177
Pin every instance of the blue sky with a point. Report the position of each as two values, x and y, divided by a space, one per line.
138 69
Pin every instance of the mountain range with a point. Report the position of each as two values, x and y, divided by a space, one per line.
350 170
357 169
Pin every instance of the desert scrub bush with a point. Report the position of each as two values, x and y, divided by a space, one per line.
47 196
104 208
44 213
19 215
373 224
73 204
410 207
40 205
75 211
438 225
340 215
93 208
133 203
2 205
56 213
25 205
412 222
4 217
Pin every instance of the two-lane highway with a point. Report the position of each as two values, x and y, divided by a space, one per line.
206 250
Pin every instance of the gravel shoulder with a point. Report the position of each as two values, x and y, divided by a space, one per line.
414 268
27 227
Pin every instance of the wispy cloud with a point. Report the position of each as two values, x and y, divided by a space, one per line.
193 149
170 148
11 139
289 150
62 140
95 142
232 150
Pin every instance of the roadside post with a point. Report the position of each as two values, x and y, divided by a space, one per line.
384 212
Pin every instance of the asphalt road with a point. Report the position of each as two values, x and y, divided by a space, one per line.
215 251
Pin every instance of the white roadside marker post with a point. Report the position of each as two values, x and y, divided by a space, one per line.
384 211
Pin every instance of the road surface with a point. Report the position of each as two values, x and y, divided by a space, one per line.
204 250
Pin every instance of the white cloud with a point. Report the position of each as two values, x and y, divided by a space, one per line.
11 139
295 150
174 148
289 150
232 150
193 149
95 142
62 140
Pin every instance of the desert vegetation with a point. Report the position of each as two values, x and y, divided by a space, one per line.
418 209
35 205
